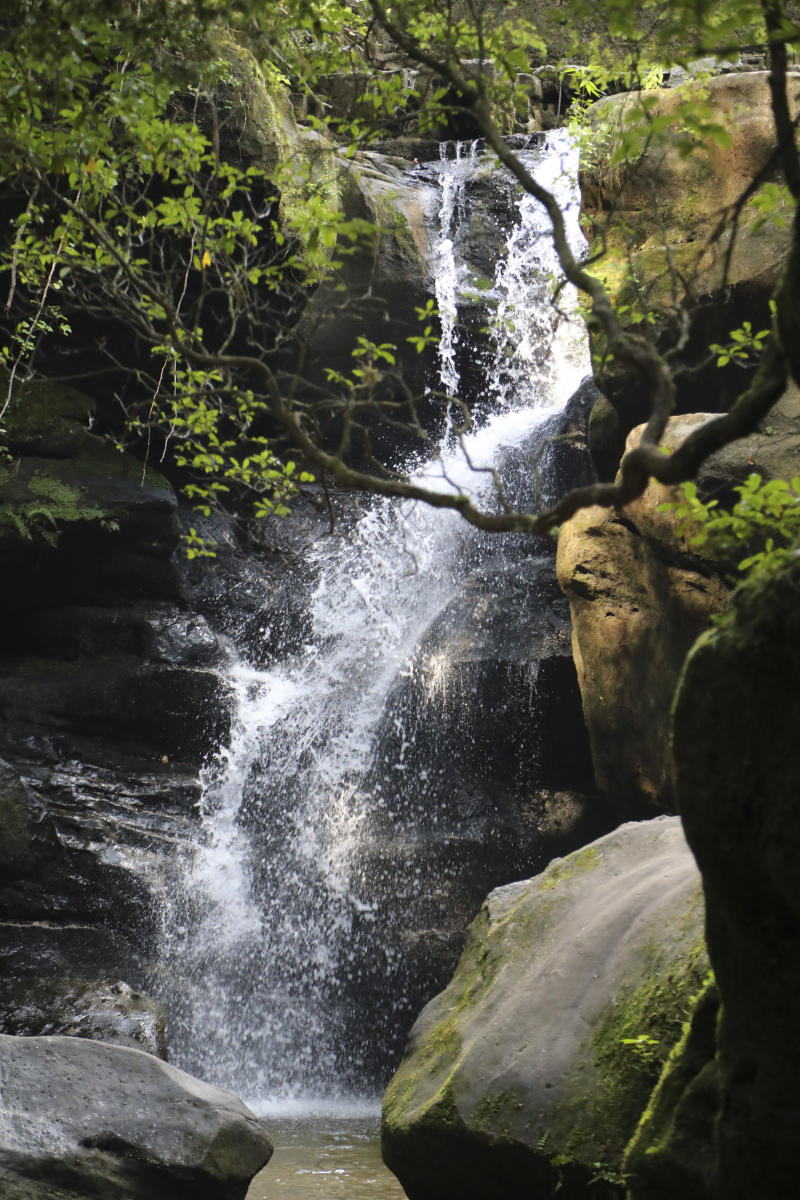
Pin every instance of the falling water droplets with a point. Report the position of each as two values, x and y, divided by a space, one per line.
259 952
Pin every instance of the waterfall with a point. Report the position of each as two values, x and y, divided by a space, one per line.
266 918
448 273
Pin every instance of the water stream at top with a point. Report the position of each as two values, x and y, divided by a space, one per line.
259 957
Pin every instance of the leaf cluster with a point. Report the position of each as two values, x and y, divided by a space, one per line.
133 202
764 522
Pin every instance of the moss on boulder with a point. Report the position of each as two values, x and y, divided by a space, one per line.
672 1152
532 1068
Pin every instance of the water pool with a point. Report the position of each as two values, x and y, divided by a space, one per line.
325 1157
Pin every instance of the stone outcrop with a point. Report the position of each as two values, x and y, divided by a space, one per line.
724 1121
640 595
675 198
58 903
383 275
81 1118
659 214
531 1069
110 696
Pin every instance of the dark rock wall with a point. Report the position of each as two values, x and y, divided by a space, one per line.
737 780
110 697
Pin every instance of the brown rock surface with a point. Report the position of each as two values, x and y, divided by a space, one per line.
639 597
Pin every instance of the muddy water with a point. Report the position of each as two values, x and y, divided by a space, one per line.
320 1156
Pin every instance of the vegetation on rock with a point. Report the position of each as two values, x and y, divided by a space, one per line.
168 222
141 195
529 1072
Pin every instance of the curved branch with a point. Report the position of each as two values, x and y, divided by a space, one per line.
775 19
624 345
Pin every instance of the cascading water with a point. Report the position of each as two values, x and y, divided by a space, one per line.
266 919
448 274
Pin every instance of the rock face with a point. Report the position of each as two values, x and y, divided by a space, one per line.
640 595
517 1077
82 1119
659 213
110 696
373 294
725 1124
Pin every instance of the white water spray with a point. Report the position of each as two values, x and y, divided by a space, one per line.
259 922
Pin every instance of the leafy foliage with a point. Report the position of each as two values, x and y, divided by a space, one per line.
764 522
743 347
136 204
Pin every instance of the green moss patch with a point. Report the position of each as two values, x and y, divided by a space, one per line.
567 868
629 1046
53 504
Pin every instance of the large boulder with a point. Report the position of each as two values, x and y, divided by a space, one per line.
670 196
639 597
724 1124
532 1068
85 1119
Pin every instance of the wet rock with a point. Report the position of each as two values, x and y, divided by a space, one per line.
72 901
565 459
162 633
59 947
517 1079
256 590
28 835
489 774
104 1010
84 1118
493 689
120 698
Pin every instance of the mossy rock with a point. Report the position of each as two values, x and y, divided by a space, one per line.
737 757
40 496
658 247
672 1152
531 1070
45 418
